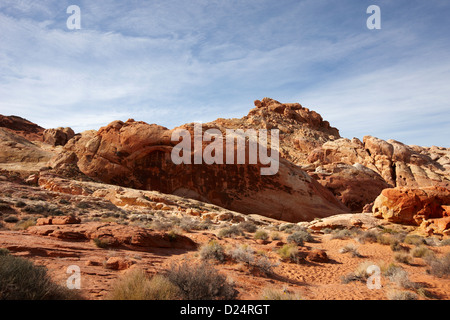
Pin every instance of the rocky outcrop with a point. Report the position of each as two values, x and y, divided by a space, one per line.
22 127
114 235
20 154
391 163
301 130
419 206
138 155
59 136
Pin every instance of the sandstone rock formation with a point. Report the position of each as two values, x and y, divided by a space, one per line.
115 235
59 136
22 127
19 154
138 155
421 207
390 164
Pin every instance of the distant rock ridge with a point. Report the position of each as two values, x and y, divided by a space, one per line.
22 127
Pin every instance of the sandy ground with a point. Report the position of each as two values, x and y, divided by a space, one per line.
310 280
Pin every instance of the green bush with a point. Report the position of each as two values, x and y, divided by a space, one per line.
20 279
289 252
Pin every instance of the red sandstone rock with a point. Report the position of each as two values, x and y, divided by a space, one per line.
138 155
58 136
22 127
412 206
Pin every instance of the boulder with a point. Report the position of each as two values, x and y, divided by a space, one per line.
59 136
412 205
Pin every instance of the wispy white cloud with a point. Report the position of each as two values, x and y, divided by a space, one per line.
171 62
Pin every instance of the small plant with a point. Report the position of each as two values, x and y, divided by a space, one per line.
360 273
401 295
284 294
400 277
289 252
421 251
261 235
4 252
135 285
200 282
275 236
20 279
24 224
367 236
230 232
299 237
403 257
438 267
11 219
350 248
341 234
414 240
248 226
212 251
445 242
101 243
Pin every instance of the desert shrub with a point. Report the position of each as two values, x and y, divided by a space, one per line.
20 279
403 257
400 277
360 273
445 242
289 252
135 285
367 236
11 219
275 236
161 225
299 237
248 226
341 234
20 204
24 224
4 252
439 267
188 224
243 253
396 246
350 248
274 294
83 205
101 243
401 295
5 207
414 240
261 235
200 282
421 251
247 255
231 231
212 251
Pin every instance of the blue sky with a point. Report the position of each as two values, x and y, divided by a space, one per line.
171 62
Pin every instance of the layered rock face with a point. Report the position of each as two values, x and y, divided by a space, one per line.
138 155
301 130
59 136
22 127
426 207
391 164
